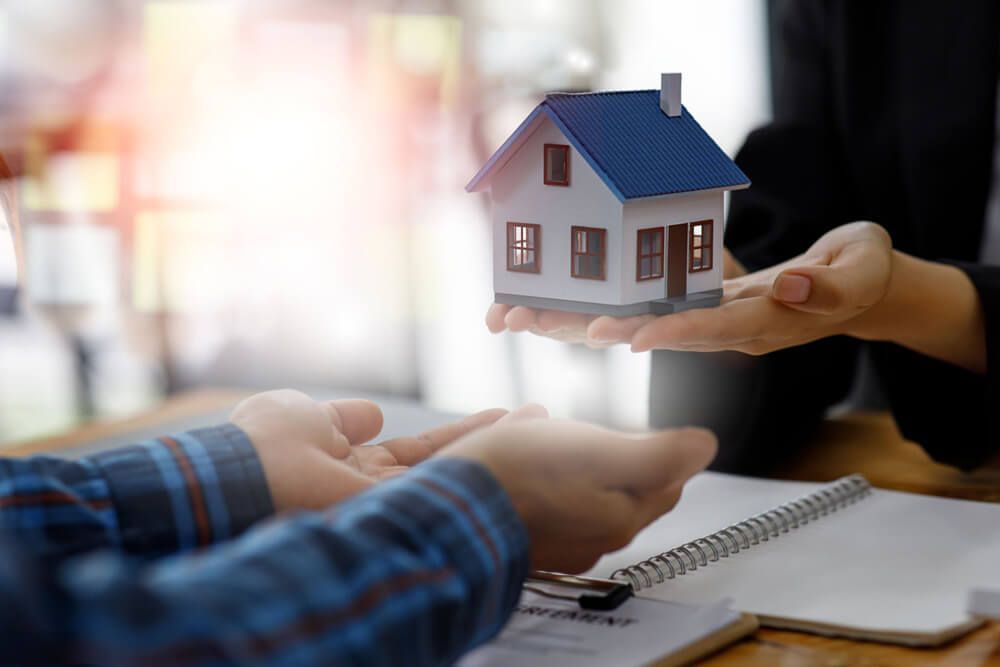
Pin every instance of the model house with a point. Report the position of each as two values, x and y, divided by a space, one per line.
609 203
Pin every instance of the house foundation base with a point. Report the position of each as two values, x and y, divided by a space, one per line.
706 299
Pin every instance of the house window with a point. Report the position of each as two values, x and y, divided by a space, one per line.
556 164
524 243
588 252
701 246
649 254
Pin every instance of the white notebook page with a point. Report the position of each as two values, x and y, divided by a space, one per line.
893 562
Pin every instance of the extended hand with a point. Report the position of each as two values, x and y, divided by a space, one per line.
583 491
576 327
312 451
823 292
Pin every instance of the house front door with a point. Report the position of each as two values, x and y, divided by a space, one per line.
676 260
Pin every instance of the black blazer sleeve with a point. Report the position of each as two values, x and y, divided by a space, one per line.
853 138
952 413
764 408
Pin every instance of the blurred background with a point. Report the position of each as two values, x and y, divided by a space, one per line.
251 193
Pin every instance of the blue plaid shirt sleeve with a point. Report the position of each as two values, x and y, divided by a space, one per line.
154 498
415 571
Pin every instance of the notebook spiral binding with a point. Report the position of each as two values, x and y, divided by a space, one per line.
741 536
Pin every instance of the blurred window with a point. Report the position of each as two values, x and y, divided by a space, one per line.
701 246
649 264
589 249
523 241
556 164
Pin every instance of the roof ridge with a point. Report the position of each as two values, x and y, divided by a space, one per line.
599 92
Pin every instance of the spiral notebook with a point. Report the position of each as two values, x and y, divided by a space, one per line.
839 559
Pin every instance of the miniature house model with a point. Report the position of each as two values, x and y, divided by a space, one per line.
609 203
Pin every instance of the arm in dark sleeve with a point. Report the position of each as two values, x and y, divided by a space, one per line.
798 166
763 408
415 571
166 495
954 414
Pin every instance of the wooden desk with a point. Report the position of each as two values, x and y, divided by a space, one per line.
176 409
861 442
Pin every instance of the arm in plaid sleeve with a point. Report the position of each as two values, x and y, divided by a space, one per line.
415 571
162 496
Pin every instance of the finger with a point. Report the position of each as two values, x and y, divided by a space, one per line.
528 411
759 282
495 317
852 284
373 458
725 327
746 287
520 318
389 473
562 335
655 461
708 326
792 288
852 278
606 329
674 331
358 420
551 321
409 451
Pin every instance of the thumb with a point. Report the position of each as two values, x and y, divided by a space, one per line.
826 290
658 460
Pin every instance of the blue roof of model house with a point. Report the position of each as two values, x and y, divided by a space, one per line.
636 149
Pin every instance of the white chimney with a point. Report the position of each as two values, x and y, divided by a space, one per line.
670 93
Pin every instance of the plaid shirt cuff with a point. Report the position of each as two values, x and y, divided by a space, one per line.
464 514
186 491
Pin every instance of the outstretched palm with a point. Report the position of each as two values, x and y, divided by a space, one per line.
315 453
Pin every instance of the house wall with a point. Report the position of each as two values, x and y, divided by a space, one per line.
519 195
663 212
